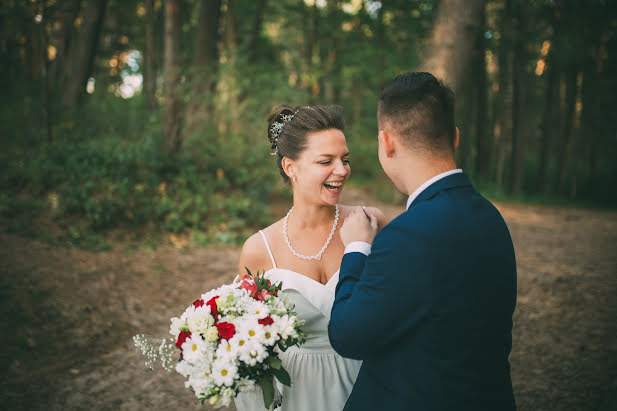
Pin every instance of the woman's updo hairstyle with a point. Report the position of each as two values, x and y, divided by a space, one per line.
288 128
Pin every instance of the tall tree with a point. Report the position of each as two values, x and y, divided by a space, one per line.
449 47
381 45
551 74
518 103
42 21
172 69
64 26
84 52
569 125
205 62
150 57
503 101
231 31
482 163
253 49
333 61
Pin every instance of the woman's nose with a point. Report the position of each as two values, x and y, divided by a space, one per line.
340 168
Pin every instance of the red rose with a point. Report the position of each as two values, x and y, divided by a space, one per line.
198 303
226 330
213 308
266 321
182 338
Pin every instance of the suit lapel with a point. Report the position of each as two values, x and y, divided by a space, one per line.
451 181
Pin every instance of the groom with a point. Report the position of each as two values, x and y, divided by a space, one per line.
428 305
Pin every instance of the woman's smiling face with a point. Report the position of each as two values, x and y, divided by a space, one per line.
322 168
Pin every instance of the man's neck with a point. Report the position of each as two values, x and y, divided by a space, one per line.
422 170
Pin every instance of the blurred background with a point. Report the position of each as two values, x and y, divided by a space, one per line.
134 162
134 113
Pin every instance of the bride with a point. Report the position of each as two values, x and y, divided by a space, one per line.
304 251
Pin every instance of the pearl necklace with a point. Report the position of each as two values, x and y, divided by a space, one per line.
318 255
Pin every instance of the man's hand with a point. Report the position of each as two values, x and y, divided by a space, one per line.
359 226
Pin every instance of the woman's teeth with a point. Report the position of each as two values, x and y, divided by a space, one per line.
333 186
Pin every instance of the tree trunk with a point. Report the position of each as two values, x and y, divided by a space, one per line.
35 53
466 100
231 32
503 107
256 32
82 58
46 125
172 102
551 74
314 81
150 58
334 65
449 47
205 61
66 20
483 160
381 46
518 107
569 126
206 41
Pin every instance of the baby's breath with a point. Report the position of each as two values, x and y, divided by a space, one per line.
163 352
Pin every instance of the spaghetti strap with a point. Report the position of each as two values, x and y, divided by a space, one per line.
268 247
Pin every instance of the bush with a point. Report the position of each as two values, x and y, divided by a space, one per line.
99 174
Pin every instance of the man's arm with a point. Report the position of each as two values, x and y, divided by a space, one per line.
381 297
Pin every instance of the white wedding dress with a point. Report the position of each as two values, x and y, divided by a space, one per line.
321 380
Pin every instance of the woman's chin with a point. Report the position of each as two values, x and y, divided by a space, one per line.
330 196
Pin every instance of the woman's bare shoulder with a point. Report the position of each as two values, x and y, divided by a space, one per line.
254 255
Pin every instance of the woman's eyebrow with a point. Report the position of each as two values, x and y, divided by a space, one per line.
332 155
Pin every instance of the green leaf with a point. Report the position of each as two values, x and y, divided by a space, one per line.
275 363
282 376
267 386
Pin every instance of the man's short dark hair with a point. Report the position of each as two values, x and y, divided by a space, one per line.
420 109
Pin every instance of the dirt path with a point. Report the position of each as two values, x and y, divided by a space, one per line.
69 316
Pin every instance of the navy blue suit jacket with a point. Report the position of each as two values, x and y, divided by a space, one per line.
430 310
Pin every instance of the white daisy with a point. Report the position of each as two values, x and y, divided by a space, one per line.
193 349
226 350
253 353
224 372
258 309
270 336
250 328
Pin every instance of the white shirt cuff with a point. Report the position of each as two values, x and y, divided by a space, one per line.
358 247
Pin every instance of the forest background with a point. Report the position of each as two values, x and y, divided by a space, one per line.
149 116
134 162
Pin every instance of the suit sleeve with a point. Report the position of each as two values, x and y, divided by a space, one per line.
381 297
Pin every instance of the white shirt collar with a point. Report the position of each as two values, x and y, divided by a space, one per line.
428 182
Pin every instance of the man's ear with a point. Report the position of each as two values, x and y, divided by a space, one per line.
289 167
456 138
388 142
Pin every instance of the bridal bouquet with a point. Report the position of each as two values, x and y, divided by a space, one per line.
229 339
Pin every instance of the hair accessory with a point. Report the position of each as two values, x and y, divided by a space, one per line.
275 131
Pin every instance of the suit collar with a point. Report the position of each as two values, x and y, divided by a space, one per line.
458 179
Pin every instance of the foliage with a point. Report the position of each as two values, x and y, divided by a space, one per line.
107 166
108 175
